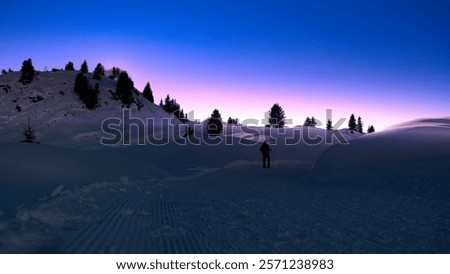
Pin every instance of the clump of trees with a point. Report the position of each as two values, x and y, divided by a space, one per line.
233 121
87 94
125 88
276 116
114 73
27 72
371 129
355 125
214 125
69 66
310 122
171 106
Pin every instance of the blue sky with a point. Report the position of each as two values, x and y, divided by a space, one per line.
387 61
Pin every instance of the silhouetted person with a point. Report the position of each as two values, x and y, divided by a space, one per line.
265 150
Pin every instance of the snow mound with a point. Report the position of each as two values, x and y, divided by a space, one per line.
416 152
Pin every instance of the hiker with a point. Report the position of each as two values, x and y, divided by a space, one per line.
265 150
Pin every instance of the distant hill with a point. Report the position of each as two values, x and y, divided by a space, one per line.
56 113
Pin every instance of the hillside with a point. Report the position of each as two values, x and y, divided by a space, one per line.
56 113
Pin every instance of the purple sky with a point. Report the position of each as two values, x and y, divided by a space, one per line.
385 62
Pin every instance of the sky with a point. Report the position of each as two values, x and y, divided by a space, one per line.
386 61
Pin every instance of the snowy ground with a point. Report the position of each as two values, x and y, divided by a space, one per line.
202 199
383 193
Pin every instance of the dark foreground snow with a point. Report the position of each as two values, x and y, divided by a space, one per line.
200 199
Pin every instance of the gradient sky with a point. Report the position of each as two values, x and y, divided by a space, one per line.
387 61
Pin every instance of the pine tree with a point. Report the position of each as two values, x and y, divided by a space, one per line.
171 106
27 72
359 125
161 104
276 116
81 85
84 67
313 122
87 94
215 125
148 93
114 73
28 132
124 88
69 66
181 116
307 122
99 71
371 129
329 125
91 97
352 123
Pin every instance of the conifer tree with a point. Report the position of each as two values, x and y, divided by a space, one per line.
27 72
124 88
307 122
352 123
148 93
91 97
329 125
99 71
87 94
371 129
277 116
313 122
359 125
215 125
84 67
81 85
28 132
69 66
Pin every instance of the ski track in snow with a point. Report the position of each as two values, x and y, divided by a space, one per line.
204 214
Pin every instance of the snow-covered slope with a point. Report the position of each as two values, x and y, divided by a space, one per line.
414 154
55 111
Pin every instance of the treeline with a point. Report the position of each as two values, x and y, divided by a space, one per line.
88 94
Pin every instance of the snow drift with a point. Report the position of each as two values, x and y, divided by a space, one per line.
406 152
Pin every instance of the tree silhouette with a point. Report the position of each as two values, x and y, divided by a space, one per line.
28 132
307 122
359 125
352 123
87 94
148 93
91 98
99 71
69 66
124 88
371 129
329 125
171 106
276 116
27 72
215 125
84 67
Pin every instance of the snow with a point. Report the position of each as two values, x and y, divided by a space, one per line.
415 154
384 192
